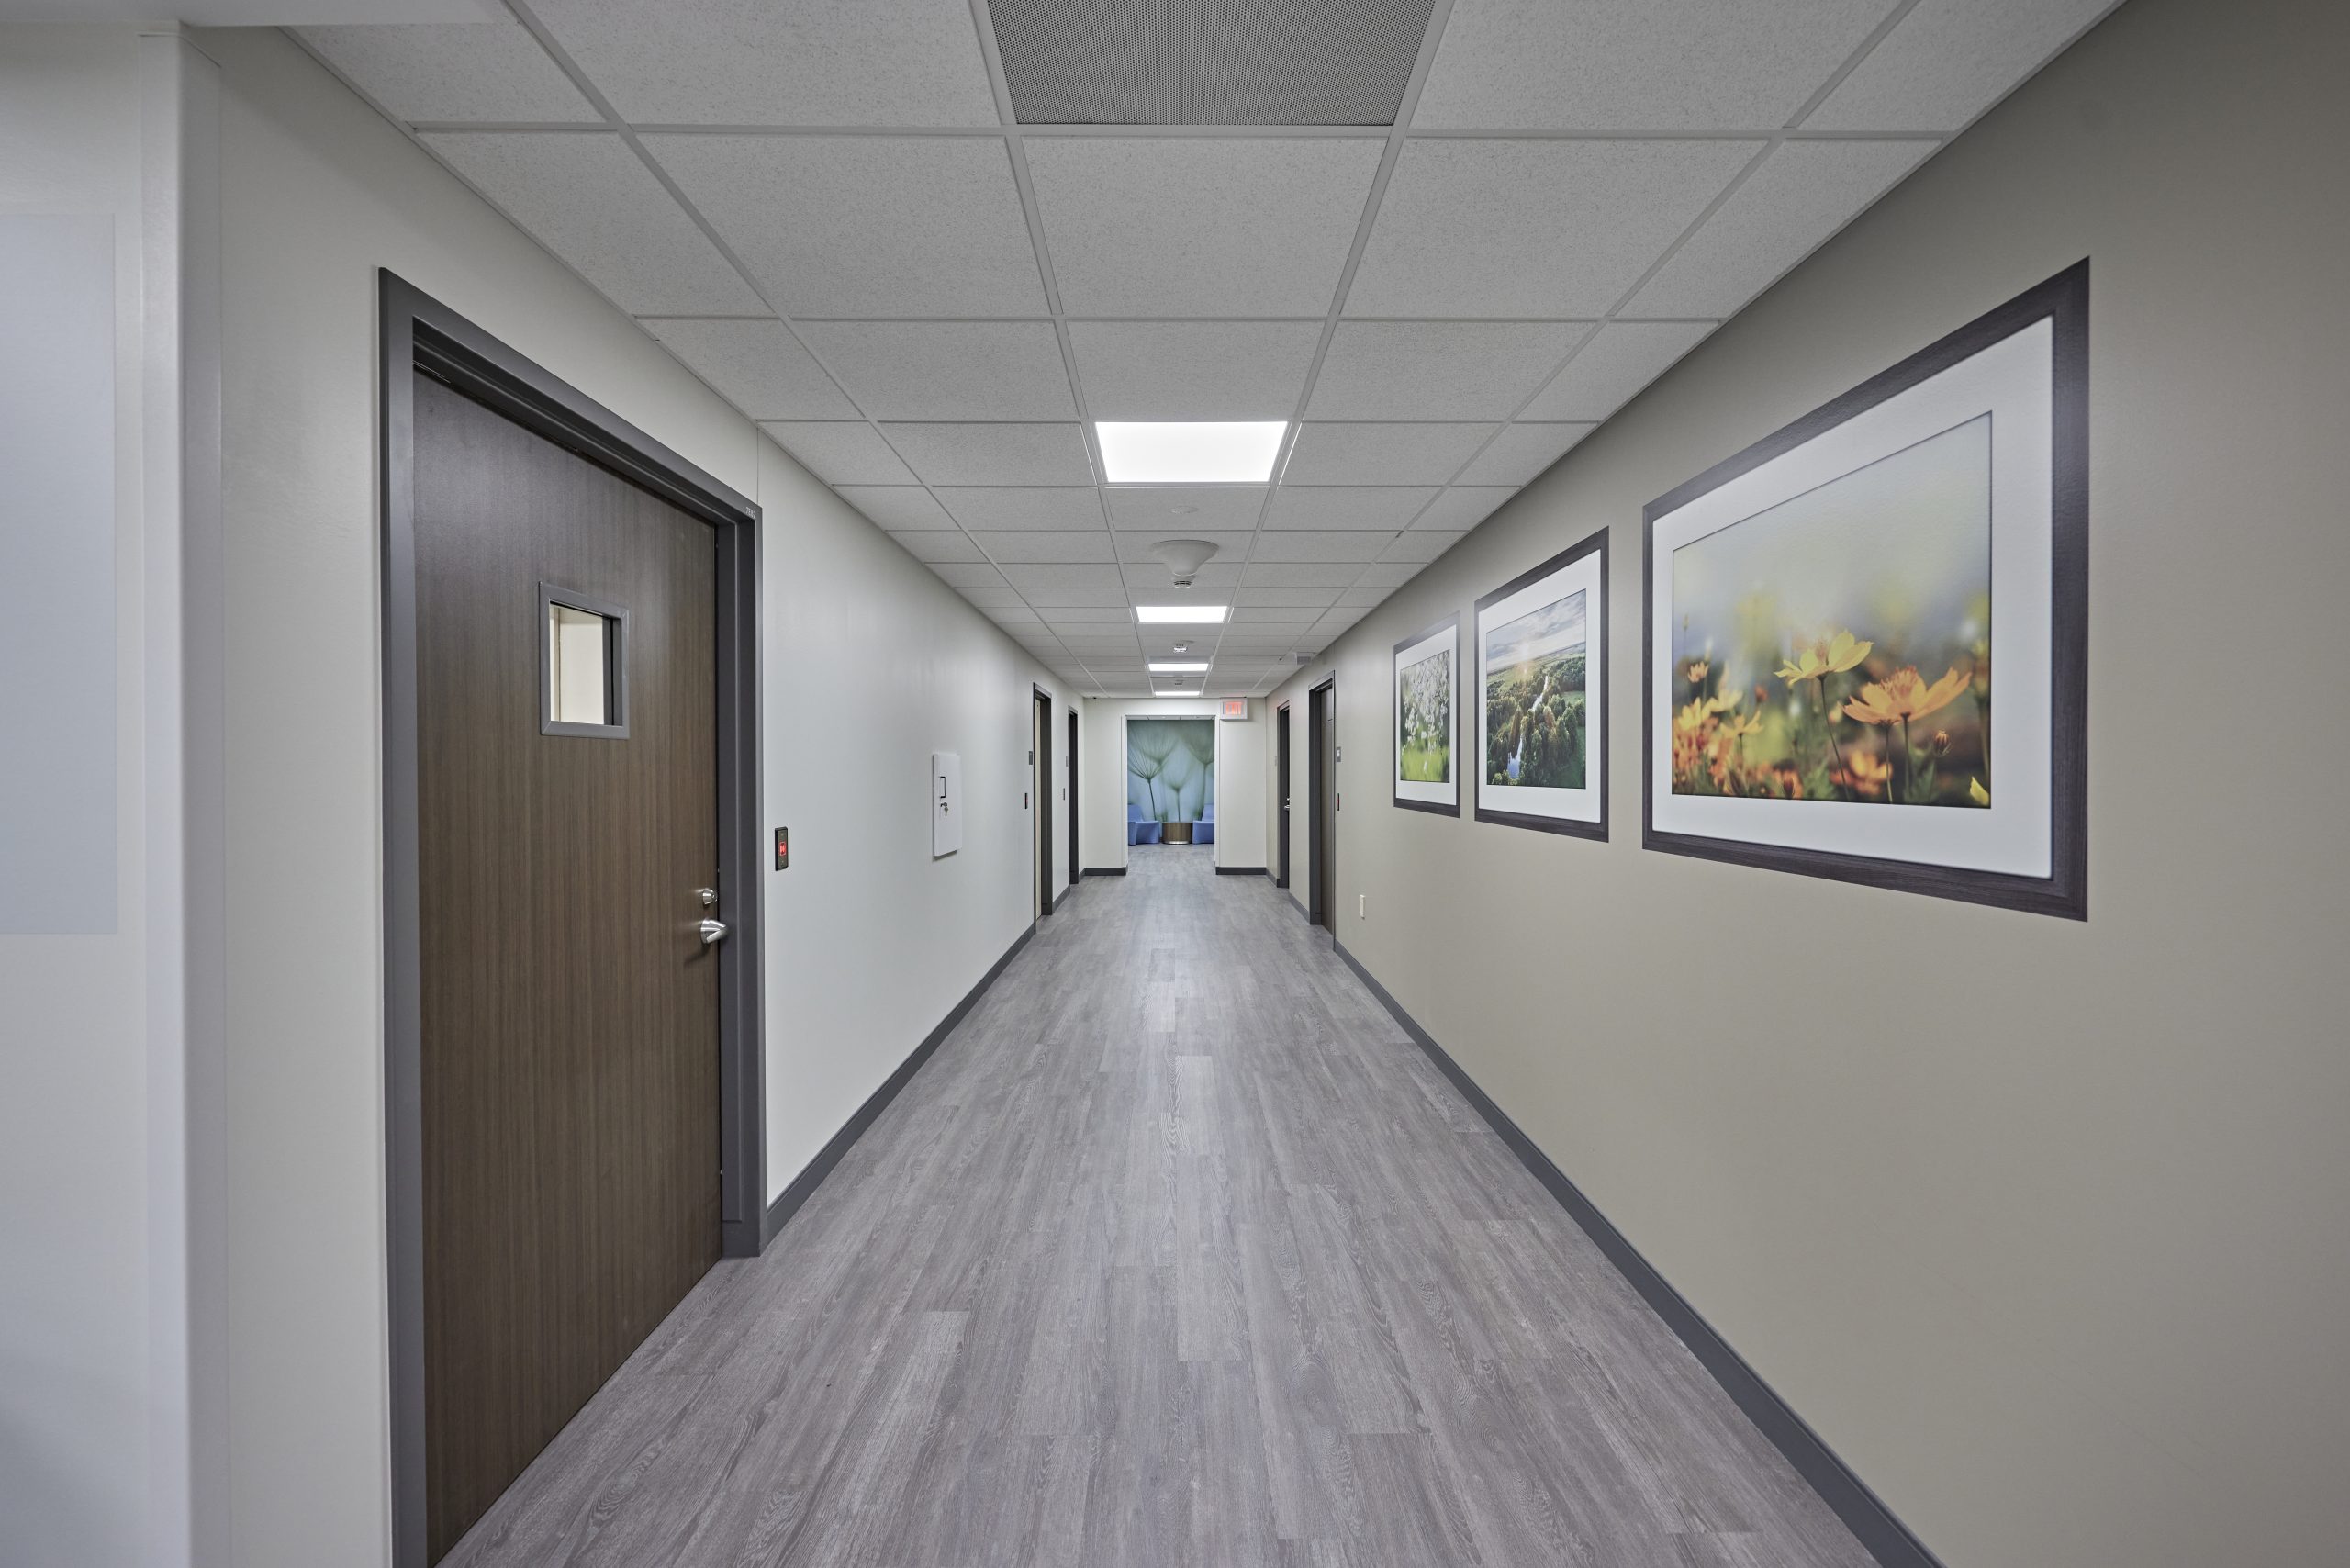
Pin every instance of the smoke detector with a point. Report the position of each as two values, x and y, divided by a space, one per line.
1184 557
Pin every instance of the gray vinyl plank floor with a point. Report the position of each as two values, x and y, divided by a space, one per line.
1177 1251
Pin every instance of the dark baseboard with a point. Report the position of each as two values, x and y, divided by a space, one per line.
803 1186
1106 870
1061 898
1862 1511
1241 870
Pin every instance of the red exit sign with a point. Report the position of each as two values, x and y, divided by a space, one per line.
1236 708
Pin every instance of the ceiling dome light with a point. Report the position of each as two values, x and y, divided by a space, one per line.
1184 557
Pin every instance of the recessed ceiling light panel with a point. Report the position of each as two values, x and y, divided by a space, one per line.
1201 613
1177 669
1190 453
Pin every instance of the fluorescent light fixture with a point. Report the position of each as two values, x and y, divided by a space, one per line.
1177 669
1192 454
1202 612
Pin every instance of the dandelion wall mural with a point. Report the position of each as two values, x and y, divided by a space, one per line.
1171 770
1428 697
1543 686
1826 612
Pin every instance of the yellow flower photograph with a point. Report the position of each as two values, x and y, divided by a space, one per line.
1838 645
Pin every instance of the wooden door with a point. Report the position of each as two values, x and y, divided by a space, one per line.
1281 744
1041 761
1322 763
569 1040
1069 764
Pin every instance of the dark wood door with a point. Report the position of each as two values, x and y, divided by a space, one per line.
1069 762
570 1007
1322 763
1281 745
1043 757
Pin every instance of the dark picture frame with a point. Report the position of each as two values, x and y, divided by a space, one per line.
1594 684
1396 699
2062 301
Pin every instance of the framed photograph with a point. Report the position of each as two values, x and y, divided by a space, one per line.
1542 649
1427 726
1866 639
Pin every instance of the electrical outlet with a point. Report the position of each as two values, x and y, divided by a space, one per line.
1362 906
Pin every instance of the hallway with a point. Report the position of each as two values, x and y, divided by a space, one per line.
1179 1251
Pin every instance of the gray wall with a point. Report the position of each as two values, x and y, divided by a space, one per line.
2056 1258
869 664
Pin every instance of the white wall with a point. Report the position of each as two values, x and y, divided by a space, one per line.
2052 1253
1239 764
869 664
75 1217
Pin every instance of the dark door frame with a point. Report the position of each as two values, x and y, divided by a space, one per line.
1281 747
1321 737
1040 724
1076 864
420 335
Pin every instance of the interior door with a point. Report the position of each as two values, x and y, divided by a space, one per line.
1041 781
1280 746
567 798
1068 765
1322 763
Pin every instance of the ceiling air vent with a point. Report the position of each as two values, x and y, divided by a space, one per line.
1208 62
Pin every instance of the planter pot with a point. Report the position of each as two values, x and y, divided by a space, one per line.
1177 833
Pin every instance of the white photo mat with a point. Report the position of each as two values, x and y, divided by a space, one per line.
1586 575
1439 641
2012 382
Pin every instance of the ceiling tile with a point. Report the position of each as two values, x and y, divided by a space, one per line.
1200 226
1437 370
932 547
1519 454
1637 64
758 367
1421 544
1623 357
1562 228
462 71
1802 194
592 202
1948 61
1339 620
990 507
1303 574
1009 614
1381 453
1322 544
1360 597
1230 546
1052 598
1263 616
1464 506
1388 574
898 507
1183 511
994 597
1091 615
974 577
1287 598
947 370
1102 574
1027 545
993 455
866 225
840 452
780 61
1193 370
1347 505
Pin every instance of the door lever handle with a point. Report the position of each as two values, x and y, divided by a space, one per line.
713 931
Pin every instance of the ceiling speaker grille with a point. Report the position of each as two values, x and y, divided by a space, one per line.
1208 62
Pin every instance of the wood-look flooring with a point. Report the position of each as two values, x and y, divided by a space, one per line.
1179 1252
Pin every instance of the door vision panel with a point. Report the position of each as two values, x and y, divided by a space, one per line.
567 798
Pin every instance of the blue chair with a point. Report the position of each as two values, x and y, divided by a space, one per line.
1203 830
1140 829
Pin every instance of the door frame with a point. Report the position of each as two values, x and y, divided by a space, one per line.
420 334
1042 713
1216 772
1069 766
1321 828
1281 782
